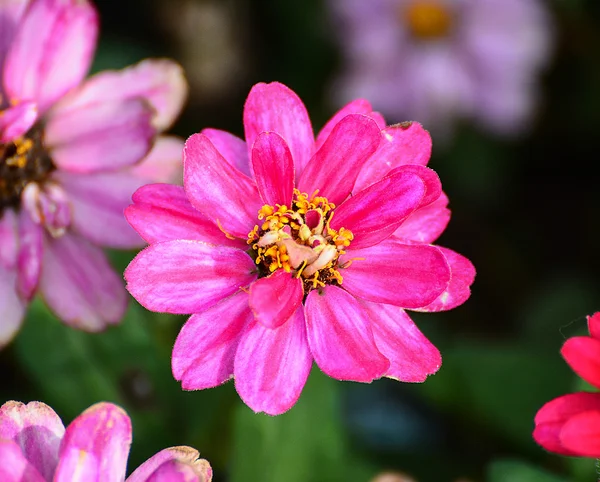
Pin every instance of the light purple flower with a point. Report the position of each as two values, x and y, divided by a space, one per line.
70 152
434 60
36 447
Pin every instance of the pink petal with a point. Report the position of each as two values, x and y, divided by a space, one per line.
551 418
164 162
205 347
581 434
275 107
275 298
184 276
101 137
79 284
9 240
429 177
218 189
412 356
98 202
174 471
375 213
335 166
162 212
101 436
160 82
426 224
272 365
50 32
231 148
594 325
17 120
29 258
273 169
358 106
340 336
459 289
14 467
37 430
405 143
409 276
187 456
12 306
12 11
583 355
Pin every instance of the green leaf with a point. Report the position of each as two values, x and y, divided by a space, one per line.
517 471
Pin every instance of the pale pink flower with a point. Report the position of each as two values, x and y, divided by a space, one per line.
437 61
69 154
288 249
36 447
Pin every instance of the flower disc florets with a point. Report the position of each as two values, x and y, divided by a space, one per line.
299 239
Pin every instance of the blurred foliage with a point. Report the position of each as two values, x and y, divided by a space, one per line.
524 210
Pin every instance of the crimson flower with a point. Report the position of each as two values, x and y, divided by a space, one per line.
287 249
570 425
72 151
35 447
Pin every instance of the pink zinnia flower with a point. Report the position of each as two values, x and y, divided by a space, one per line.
288 249
570 425
35 447
69 154
436 60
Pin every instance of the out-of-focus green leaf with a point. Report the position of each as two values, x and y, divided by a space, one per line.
517 471
302 445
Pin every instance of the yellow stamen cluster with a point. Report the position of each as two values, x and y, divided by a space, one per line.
300 240
427 19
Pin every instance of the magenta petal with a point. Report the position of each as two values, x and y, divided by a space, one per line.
272 365
429 177
12 306
459 289
406 143
375 213
14 467
231 148
412 356
274 107
581 434
409 276
340 336
205 347
50 32
100 137
97 205
275 298
12 12
37 430
9 239
160 82
164 162
174 471
17 120
162 212
218 189
29 258
187 456
335 166
79 284
594 325
273 169
583 355
184 276
426 224
101 436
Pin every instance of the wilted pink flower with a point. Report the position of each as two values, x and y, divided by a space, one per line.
570 425
434 60
69 154
288 249
35 447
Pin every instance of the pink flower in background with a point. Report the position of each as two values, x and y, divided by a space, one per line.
570 425
287 249
70 152
36 447
434 60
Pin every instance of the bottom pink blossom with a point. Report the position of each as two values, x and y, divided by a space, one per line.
36 447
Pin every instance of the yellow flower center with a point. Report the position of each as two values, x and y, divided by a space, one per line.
299 240
427 19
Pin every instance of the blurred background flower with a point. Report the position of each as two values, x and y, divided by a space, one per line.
436 61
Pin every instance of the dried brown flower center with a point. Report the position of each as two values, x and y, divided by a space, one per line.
427 19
